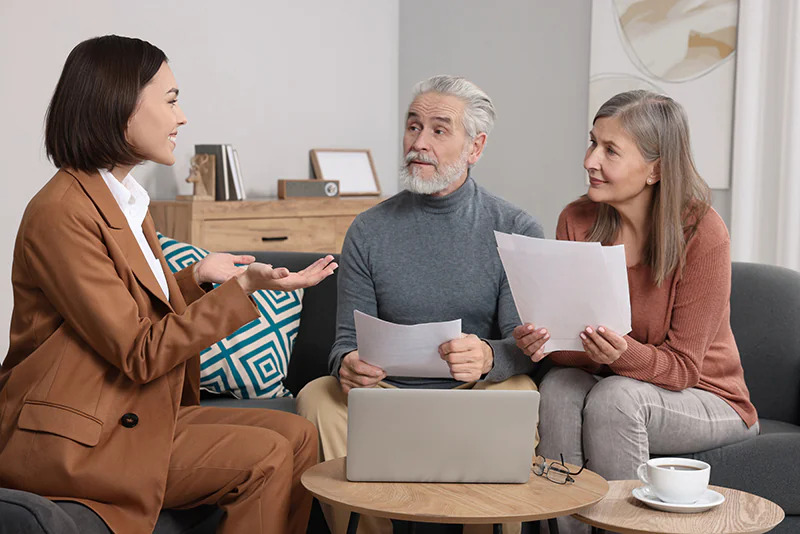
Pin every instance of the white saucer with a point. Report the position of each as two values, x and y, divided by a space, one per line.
707 501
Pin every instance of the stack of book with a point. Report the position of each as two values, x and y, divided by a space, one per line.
229 185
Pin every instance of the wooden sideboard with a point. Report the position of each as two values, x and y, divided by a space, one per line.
299 224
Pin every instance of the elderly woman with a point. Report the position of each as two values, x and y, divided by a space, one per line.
99 390
674 384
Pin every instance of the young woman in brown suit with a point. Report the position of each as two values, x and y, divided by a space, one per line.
99 390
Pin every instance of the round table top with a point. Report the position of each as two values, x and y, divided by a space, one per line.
741 513
454 503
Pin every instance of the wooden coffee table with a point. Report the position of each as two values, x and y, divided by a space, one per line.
495 504
741 513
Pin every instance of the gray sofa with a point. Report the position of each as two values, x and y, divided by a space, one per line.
765 315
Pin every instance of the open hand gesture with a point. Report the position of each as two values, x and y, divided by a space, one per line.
264 276
218 267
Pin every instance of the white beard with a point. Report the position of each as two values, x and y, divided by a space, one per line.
441 179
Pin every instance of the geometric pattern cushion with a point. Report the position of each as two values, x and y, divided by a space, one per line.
253 361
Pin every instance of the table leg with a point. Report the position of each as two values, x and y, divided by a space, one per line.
497 528
531 527
352 524
552 525
403 527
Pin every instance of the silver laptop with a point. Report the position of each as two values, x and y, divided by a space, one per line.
427 435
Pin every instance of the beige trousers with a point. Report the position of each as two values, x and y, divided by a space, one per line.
323 403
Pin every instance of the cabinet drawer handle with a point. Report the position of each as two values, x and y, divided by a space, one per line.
277 238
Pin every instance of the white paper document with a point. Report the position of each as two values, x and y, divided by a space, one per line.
404 350
565 286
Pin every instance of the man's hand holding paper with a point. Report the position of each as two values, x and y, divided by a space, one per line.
469 357
437 350
355 373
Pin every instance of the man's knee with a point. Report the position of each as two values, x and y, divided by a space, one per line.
514 383
319 396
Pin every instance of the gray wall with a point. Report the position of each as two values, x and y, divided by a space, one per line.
532 58
721 200
272 78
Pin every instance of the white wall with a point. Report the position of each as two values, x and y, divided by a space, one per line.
532 58
272 78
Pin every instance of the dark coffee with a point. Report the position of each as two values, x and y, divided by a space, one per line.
679 467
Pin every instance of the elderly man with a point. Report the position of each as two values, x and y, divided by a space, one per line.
428 254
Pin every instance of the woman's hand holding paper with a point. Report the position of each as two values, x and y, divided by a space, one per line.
531 341
603 345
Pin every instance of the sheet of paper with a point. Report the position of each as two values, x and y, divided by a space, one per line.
404 350
566 286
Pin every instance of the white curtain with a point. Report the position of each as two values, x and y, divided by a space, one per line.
765 201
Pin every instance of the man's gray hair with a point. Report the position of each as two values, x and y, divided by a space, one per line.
479 112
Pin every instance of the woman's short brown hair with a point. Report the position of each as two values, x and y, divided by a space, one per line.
94 98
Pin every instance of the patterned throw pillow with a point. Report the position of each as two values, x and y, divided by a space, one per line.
253 361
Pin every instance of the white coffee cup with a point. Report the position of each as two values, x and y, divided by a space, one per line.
675 480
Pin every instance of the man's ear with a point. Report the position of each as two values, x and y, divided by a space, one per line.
476 148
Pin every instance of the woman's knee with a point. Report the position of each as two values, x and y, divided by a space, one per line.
566 384
276 451
258 449
616 398
302 434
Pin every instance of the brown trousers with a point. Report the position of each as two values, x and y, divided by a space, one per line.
324 404
247 461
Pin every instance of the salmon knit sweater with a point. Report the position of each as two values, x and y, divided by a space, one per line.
681 332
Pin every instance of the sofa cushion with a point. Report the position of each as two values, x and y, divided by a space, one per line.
253 361
284 404
21 511
764 465
317 320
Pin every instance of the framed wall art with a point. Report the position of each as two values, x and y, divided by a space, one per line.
352 167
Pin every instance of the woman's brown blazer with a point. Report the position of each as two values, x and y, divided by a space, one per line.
99 361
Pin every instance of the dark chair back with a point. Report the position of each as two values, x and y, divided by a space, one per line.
317 320
765 318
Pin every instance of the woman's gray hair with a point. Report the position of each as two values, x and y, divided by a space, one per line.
659 127
479 112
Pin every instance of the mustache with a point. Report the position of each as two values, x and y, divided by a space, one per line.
413 155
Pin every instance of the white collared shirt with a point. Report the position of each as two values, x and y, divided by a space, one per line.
133 200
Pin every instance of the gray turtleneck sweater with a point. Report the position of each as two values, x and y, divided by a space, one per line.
419 258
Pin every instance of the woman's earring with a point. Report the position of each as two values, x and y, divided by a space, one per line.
649 181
